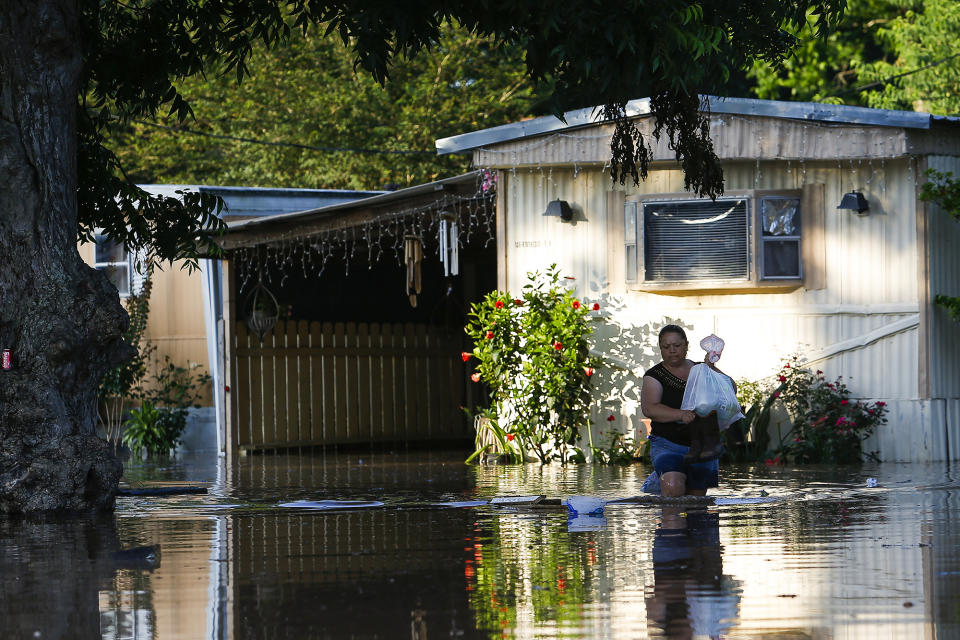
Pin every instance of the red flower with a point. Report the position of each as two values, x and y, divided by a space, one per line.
510 437
596 306
881 404
498 304
844 402
518 302
489 335
588 371
798 439
558 345
776 394
819 373
226 388
576 304
611 418
465 355
786 366
840 421
782 378
475 376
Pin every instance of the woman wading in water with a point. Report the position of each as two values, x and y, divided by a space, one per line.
681 468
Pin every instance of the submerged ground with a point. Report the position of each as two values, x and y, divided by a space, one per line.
791 553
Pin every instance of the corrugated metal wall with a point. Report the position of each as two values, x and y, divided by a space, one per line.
944 266
872 280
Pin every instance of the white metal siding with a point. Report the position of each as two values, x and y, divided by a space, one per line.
871 279
944 265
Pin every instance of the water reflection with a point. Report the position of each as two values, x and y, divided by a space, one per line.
828 557
55 570
690 595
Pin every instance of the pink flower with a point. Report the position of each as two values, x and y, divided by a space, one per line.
498 304
840 421
782 378
575 304
798 439
596 306
776 394
558 345
465 355
588 371
844 402
475 377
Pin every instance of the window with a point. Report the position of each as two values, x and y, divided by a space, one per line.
752 239
113 258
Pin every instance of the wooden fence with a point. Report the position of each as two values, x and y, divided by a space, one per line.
334 383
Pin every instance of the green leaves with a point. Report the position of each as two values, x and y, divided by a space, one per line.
533 353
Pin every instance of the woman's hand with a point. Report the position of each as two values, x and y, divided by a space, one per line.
686 417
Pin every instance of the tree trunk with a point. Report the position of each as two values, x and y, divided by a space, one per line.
61 319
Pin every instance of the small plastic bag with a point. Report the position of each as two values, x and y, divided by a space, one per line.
707 390
713 345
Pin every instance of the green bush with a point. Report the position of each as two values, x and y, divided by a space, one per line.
154 430
532 353
828 427
157 425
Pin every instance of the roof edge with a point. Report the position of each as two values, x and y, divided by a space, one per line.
811 111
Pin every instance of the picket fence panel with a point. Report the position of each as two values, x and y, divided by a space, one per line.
313 384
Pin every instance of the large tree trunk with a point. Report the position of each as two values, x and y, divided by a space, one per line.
61 319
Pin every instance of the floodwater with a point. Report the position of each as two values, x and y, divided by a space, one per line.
788 553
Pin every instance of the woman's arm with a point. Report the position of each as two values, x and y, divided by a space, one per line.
650 404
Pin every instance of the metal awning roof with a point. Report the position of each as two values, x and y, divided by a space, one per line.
811 111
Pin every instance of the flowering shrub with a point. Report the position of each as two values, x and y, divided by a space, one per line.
532 353
827 425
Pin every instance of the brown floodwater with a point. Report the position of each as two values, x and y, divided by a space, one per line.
786 553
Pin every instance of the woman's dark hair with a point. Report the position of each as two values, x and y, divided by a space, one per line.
671 328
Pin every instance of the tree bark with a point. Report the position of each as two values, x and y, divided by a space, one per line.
62 319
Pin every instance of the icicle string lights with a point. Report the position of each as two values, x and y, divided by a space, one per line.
309 254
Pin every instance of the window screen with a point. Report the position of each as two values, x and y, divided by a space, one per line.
696 240
112 257
780 238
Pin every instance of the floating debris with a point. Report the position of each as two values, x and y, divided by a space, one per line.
331 504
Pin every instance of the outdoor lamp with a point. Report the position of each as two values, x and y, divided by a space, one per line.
560 208
855 202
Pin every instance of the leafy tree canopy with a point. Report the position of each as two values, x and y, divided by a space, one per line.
888 54
303 118
136 53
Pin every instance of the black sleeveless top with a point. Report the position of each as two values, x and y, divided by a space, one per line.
673 388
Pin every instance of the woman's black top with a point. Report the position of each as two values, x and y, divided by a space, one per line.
673 388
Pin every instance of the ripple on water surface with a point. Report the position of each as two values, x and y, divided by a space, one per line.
393 546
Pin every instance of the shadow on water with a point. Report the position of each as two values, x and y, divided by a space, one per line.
793 553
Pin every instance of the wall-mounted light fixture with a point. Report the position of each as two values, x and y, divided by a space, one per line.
560 208
855 202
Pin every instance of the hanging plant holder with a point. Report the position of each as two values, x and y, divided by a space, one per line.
261 310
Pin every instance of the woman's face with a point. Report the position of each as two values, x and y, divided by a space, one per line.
673 348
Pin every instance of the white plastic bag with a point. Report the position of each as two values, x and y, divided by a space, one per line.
713 345
708 390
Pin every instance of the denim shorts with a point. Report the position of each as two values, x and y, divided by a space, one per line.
668 456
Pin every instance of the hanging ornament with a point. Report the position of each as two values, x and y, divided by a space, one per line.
449 244
261 310
413 257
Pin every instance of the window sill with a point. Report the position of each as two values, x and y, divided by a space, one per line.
716 288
